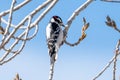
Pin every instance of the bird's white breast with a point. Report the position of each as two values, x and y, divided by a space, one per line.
48 31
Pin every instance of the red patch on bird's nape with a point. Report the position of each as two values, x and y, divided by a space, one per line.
55 17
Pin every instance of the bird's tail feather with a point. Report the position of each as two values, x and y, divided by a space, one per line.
52 53
53 49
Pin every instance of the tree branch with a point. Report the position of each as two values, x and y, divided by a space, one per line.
9 19
70 20
51 71
114 67
24 20
15 8
22 37
104 69
109 63
84 28
44 12
115 1
117 52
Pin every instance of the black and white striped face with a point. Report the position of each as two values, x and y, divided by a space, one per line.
57 19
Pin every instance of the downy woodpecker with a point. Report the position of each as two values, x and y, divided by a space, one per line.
54 35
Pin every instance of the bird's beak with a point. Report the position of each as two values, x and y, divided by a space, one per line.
62 25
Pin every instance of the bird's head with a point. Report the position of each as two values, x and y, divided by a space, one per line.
57 20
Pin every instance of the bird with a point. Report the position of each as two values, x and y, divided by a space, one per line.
54 36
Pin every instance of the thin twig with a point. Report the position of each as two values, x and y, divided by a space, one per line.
15 8
118 47
72 17
84 28
13 45
12 25
109 63
104 69
114 67
2 30
114 1
51 71
44 12
115 60
9 19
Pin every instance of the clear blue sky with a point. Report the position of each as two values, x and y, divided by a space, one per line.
81 62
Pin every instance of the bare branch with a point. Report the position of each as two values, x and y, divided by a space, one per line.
117 52
72 17
115 1
104 69
84 28
114 67
111 23
108 65
40 17
118 47
14 44
51 71
23 37
45 12
4 21
9 19
24 20
76 12
15 8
